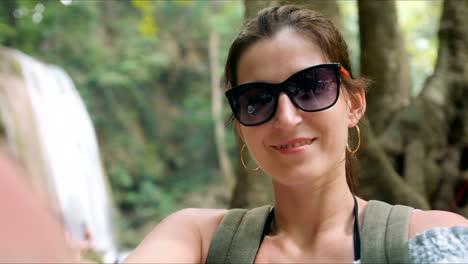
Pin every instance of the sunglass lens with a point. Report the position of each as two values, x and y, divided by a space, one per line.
255 105
316 90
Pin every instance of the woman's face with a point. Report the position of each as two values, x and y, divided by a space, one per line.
294 147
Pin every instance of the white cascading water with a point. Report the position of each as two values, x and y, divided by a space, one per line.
71 152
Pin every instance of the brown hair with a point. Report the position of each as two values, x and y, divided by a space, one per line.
309 24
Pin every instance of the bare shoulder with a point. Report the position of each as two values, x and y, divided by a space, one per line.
425 220
181 237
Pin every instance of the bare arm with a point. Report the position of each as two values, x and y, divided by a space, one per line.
425 220
182 237
30 234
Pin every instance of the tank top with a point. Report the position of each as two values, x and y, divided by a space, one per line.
383 239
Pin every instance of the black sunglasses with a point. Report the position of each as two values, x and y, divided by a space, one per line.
311 90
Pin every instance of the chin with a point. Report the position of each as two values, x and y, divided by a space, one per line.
299 175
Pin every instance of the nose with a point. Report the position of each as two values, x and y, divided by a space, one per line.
287 114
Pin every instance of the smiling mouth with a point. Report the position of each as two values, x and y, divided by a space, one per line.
295 145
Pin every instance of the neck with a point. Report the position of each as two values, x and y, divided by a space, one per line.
306 212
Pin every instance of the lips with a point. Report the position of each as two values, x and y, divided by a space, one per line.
295 143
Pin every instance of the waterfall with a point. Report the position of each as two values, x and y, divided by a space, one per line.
70 152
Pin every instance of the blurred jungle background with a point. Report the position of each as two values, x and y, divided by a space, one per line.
149 74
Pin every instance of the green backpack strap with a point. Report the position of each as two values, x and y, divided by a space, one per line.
385 232
238 237
222 239
396 237
373 232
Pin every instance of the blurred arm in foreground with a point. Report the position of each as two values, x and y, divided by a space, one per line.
29 232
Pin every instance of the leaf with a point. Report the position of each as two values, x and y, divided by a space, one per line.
147 27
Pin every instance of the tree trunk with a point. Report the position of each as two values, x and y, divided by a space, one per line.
384 60
108 15
378 180
217 106
429 136
447 92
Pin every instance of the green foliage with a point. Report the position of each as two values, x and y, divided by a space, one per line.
420 29
7 32
146 26
142 69
419 26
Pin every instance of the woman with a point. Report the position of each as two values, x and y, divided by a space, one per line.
294 100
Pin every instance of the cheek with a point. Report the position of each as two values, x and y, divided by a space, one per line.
253 138
342 113
336 128
335 133
345 105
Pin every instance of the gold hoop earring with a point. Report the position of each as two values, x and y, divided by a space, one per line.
242 160
358 142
